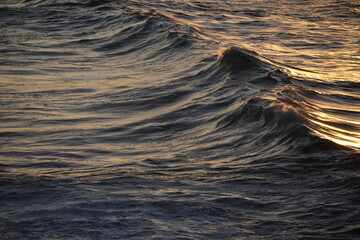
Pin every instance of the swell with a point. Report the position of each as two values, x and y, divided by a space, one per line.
120 121
235 102
276 115
159 83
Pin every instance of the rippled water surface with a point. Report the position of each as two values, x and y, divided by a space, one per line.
179 119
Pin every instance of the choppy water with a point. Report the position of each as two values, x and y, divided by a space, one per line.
179 119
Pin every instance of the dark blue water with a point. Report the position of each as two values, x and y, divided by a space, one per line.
179 119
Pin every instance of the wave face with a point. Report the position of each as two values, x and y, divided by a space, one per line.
179 119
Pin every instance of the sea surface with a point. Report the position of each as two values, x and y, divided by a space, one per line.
179 119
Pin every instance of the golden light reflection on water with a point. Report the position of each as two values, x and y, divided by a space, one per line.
326 126
319 40
335 136
340 129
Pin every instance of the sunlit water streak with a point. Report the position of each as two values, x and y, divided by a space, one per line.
179 119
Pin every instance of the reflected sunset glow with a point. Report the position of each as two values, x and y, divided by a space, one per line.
179 119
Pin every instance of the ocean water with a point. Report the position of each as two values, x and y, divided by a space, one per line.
179 119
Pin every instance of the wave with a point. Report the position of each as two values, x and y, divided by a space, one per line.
122 118
170 82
